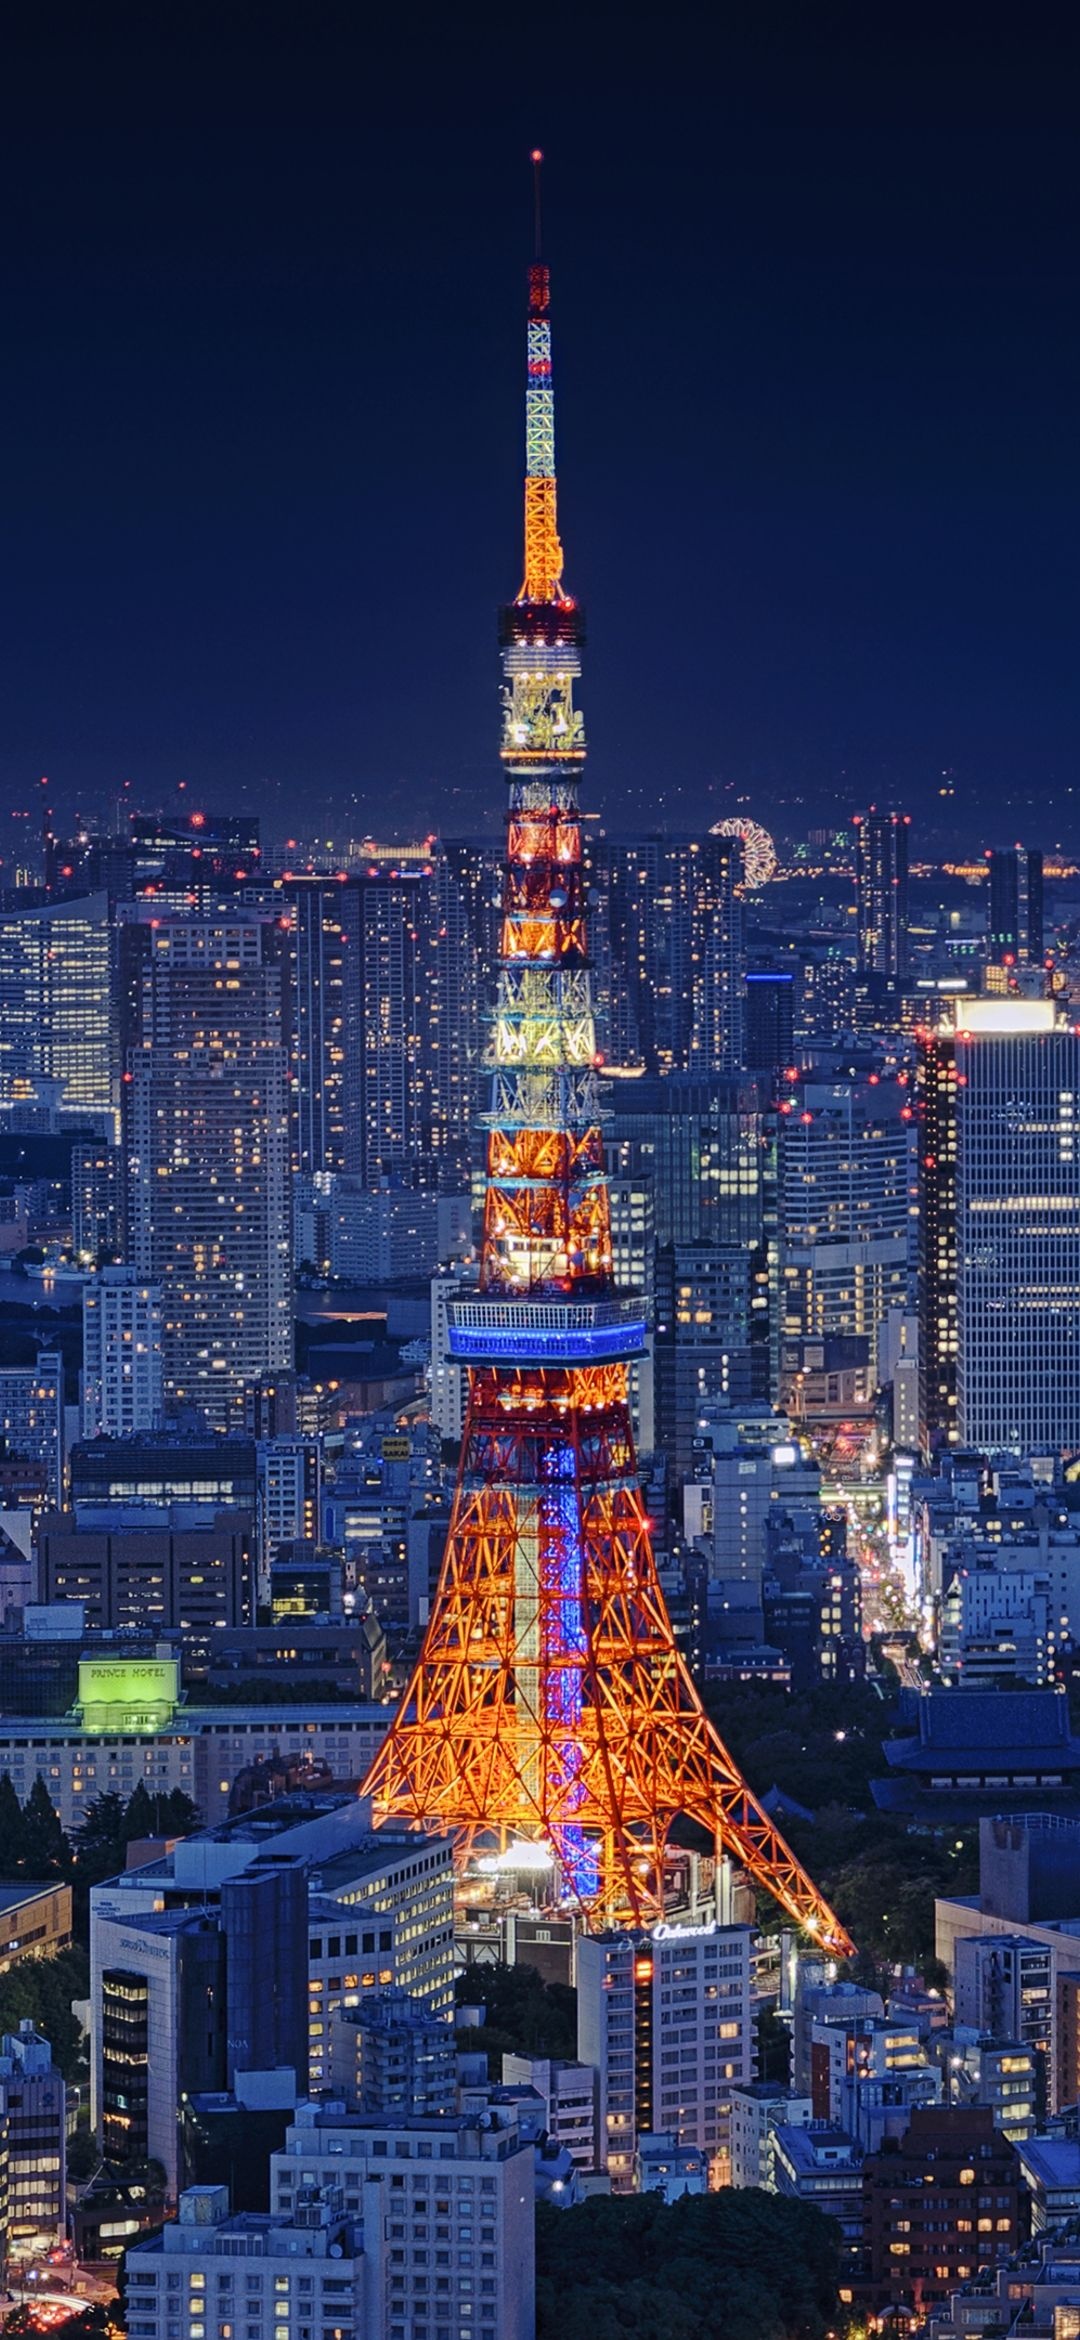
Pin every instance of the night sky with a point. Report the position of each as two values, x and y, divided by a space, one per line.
815 305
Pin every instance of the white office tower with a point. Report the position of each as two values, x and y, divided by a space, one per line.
122 1385
207 1155
448 2218
1000 1227
665 2018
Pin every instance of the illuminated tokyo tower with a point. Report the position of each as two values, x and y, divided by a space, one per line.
549 1703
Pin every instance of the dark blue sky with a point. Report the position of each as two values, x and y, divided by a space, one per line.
815 284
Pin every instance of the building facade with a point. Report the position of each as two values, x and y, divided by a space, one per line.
881 881
122 1383
207 1153
999 1272
665 2019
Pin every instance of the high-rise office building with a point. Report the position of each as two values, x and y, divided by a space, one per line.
702 1145
390 2054
669 952
847 1212
999 1228
713 1328
289 1484
143 1566
769 1035
122 1388
1014 923
185 1999
392 968
206 1152
56 1023
881 880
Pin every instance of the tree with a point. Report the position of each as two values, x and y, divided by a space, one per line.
179 1816
727 2266
99 1843
88 2323
83 2155
524 2015
12 1829
40 1991
46 1851
161 1815
140 1817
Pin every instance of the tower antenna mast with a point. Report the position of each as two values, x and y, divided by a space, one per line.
537 160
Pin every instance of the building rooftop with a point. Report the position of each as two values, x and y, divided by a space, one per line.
1050 2162
819 2146
14 1896
356 1862
978 1739
52 1730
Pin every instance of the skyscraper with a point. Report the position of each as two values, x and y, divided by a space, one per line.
206 1152
999 1097
56 1022
846 1208
323 1014
670 952
770 1021
702 1144
467 881
389 1105
1014 923
881 880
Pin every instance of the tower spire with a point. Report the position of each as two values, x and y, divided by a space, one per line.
550 1701
542 582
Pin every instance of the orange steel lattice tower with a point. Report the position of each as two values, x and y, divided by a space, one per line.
549 1702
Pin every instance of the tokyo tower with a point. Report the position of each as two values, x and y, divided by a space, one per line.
549 1702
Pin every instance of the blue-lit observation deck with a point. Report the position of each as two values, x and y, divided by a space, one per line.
547 1332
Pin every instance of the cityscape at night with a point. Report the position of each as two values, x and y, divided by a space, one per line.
539 1316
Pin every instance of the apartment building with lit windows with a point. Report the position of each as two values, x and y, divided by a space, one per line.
665 2019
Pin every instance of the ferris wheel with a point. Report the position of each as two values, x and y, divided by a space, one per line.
759 852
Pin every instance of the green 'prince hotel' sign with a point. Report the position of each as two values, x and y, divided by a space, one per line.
128 1694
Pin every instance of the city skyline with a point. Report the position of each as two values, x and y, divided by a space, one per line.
540 1381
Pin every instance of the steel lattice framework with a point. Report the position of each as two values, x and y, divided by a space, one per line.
550 1702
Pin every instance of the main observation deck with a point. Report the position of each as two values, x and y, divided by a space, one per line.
547 1332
